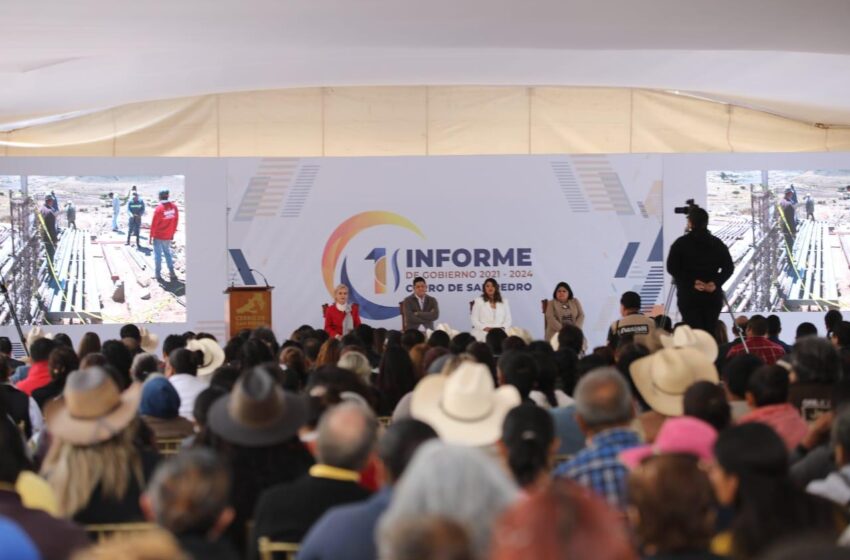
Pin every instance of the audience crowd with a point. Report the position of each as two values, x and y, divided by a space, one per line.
424 445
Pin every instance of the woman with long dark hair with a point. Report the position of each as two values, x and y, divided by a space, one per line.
396 378
255 429
751 475
490 311
89 344
563 309
528 445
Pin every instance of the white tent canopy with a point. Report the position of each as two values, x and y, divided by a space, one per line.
785 57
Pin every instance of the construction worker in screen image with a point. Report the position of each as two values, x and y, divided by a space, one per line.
788 222
163 226
135 209
71 214
47 224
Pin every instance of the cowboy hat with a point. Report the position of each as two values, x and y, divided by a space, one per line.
521 333
213 354
445 328
663 377
686 337
36 333
94 410
258 412
149 341
465 407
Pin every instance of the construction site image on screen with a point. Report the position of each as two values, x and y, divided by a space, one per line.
789 235
78 250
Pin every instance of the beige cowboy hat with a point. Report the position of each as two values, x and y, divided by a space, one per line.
446 328
213 354
36 333
94 409
522 333
686 337
150 341
258 412
465 407
663 377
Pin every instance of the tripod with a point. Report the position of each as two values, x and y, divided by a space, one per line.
5 290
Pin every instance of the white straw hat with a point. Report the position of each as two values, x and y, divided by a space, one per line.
686 337
465 407
663 377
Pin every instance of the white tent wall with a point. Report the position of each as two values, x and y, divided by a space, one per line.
422 120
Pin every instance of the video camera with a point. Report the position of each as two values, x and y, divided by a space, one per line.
686 209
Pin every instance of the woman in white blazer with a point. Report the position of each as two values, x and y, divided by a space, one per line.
489 311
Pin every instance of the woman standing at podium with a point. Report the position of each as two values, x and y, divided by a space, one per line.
563 309
340 317
490 311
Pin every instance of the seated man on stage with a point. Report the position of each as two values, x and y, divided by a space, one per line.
420 310
632 321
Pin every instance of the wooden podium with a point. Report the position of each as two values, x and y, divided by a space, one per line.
248 307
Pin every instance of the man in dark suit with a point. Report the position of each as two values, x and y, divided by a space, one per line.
420 309
346 441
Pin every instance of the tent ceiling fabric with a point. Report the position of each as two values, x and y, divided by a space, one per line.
411 120
782 56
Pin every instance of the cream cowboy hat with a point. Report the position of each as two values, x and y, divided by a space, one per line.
445 328
465 407
94 409
213 354
522 333
36 333
663 377
150 341
686 337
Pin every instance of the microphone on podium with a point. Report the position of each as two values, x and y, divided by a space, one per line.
261 274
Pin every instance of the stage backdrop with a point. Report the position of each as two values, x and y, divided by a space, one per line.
529 221
376 223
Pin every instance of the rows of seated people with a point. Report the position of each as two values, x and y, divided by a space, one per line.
417 446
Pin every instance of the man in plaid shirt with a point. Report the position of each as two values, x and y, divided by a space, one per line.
604 411
757 342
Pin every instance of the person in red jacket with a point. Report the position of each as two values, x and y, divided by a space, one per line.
163 226
340 317
39 372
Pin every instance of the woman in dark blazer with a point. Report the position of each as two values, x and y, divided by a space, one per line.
340 317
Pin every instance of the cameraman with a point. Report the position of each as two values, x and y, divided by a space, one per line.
699 263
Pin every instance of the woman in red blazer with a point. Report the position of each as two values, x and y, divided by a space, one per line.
340 317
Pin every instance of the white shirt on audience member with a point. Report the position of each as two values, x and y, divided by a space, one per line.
561 397
188 387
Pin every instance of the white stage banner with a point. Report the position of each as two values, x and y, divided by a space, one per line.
376 223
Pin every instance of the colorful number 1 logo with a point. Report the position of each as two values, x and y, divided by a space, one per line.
379 255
